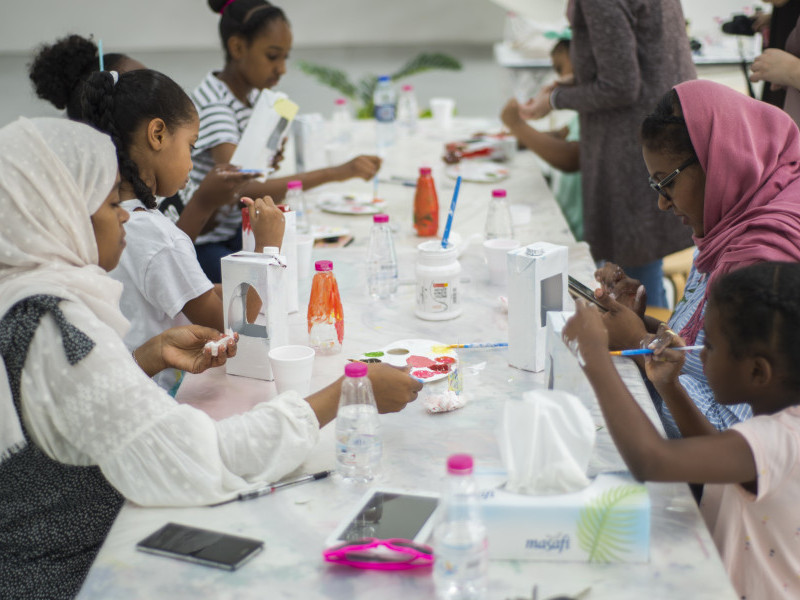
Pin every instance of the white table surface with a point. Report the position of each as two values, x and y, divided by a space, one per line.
295 522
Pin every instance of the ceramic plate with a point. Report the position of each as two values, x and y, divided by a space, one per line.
477 172
350 204
428 359
320 232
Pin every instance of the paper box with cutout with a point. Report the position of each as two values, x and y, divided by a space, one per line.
537 283
261 328
266 130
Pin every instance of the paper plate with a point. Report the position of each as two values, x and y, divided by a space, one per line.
350 204
428 359
320 232
477 172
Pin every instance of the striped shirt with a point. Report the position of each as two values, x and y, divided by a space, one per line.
692 377
223 119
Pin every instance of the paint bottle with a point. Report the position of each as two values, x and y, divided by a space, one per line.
438 274
426 205
325 314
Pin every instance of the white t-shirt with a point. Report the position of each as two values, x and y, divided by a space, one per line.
160 274
758 537
105 411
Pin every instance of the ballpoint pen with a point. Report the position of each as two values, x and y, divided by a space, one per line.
640 351
272 487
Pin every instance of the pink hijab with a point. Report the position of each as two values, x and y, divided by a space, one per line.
750 152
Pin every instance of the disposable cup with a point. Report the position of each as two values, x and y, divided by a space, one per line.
305 243
496 251
291 368
442 110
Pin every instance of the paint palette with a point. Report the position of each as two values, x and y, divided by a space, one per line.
350 204
477 172
429 360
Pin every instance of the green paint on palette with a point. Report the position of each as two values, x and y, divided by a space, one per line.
373 354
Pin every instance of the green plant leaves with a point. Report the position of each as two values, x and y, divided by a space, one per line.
607 526
335 78
425 62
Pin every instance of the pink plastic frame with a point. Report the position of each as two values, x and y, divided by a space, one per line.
405 554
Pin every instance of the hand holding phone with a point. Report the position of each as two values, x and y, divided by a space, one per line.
578 290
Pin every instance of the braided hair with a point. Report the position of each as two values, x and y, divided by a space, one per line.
665 129
244 18
120 108
759 305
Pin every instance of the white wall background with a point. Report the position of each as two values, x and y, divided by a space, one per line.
130 25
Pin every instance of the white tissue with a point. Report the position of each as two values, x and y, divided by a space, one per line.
546 443
214 346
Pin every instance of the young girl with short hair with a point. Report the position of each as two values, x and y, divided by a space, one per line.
752 470
256 38
153 125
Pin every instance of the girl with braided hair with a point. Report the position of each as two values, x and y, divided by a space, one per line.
752 470
729 167
153 125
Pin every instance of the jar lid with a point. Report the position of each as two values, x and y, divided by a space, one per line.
498 193
380 218
424 170
294 184
458 464
323 265
355 369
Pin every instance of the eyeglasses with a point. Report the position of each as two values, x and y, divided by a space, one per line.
659 186
381 555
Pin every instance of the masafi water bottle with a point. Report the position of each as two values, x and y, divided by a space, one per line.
498 217
461 550
358 435
407 110
385 101
341 123
381 259
296 201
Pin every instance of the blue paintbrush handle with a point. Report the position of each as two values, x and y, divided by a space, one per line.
450 214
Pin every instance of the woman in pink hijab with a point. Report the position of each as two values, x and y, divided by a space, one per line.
729 167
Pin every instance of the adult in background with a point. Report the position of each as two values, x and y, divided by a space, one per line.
626 54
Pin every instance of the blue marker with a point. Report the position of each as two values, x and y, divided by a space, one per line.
643 351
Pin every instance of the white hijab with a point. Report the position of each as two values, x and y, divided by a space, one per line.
54 174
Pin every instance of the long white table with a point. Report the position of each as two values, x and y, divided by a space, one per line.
295 522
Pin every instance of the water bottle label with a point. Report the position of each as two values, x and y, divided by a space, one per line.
385 113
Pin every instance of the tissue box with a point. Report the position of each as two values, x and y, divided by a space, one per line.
264 272
562 370
608 521
537 283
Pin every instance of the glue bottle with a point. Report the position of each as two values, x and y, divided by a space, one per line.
461 552
325 314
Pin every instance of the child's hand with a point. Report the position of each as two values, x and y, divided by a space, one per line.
664 366
393 387
585 334
539 106
267 221
510 114
362 166
627 291
219 187
184 348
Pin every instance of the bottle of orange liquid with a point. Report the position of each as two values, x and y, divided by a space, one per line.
426 205
325 315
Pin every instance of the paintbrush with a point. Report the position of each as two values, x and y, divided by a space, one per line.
641 351
444 348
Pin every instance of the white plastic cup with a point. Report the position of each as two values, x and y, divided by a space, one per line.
305 242
442 110
496 251
291 368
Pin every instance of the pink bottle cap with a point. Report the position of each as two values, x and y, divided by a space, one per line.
323 265
498 193
380 218
424 170
408 88
355 369
458 464
340 101
294 184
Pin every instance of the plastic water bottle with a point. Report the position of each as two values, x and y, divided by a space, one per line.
461 554
498 217
381 259
341 123
385 101
407 110
297 202
325 314
358 435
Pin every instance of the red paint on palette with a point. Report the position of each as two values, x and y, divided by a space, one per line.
419 361
440 368
445 360
423 373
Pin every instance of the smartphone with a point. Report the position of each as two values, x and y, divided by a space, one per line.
578 290
210 548
387 514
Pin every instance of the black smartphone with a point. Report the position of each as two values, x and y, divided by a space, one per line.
578 290
210 548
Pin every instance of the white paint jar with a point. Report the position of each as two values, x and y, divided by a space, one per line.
438 273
